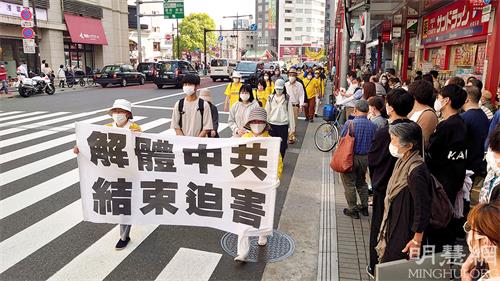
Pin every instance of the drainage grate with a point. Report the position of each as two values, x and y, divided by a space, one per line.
279 247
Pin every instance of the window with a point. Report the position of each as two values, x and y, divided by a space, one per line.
156 46
299 11
308 29
288 29
288 11
156 29
308 2
307 11
288 2
299 19
309 20
299 1
299 28
288 38
288 20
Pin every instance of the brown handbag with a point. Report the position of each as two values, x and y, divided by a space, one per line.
343 156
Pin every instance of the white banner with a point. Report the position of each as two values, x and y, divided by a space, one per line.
139 178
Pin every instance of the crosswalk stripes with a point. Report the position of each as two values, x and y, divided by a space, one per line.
189 264
57 224
3 119
26 120
9 113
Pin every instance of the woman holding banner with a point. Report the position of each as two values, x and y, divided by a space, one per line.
121 112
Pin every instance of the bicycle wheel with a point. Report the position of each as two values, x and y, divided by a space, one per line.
70 84
326 137
82 82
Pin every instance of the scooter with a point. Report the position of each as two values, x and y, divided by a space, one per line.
36 85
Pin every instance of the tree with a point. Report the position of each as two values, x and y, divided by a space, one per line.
191 32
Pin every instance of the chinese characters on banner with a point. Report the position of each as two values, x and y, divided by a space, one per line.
465 55
458 20
139 178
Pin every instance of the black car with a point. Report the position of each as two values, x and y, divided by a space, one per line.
171 73
149 69
121 74
250 71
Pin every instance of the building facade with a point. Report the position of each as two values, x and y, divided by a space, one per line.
267 20
82 34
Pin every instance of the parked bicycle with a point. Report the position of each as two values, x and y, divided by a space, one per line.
327 134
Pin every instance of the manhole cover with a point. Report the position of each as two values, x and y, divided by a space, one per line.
279 247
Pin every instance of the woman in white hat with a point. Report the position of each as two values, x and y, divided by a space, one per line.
121 112
238 115
232 91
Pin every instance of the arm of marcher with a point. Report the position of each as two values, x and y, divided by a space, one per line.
232 121
291 117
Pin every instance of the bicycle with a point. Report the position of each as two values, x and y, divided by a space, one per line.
327 134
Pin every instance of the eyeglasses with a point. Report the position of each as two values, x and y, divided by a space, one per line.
467 227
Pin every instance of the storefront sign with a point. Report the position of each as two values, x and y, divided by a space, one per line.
139 178
486 13
29 46
412 25
396 32
458 20
438 57
85 30
480 58
465 55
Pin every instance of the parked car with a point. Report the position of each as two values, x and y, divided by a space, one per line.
121 74
270 67
221 69
149 69
171 73
250 71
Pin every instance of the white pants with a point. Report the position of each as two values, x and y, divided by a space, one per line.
318 104
244 245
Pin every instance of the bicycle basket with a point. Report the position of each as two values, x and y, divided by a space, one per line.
329 112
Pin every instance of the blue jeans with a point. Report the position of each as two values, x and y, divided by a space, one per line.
5 87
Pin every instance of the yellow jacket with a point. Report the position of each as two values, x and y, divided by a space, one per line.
270 86
312 87
266 135
132 126
233 92
262 96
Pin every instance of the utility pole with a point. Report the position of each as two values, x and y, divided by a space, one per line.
138 18
37 48
178 40
237 17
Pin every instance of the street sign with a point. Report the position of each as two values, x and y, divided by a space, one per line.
168 37
26 14
173 9
221 38
253 27
27 23
26 3
28 33
29 46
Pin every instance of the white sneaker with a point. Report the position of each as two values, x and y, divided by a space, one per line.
241 258
262 241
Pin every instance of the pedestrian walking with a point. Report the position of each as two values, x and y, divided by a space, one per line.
191 115
408 197
239 112
207 96
279 110
121 112
61 75
269 82
423 109
256 127
261 94
232 91
312 90
354 182
321 93
3 79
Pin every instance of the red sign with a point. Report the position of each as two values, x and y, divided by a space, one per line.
85 30
28 33
168 37
458 20
26 14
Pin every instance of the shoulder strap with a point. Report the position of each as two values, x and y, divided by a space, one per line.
309 83
180 107
201 108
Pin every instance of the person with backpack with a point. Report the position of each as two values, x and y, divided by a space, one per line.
191 115
238 114
398 104
280 115
312 86
232 91
408 197
206 96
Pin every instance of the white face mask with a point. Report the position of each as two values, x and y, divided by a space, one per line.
438 105
394 151
119 118
245 96
236 80
292 79
279 92
266 77
492 162
309 77
257 128
188 90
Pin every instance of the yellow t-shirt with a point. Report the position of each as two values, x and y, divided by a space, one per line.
312 87
266 135
132 126
270 86
233 92
262 96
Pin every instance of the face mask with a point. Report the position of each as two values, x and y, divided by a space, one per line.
236 80
279 92
438 105
492 162
245 97
119 118
317 75
257 128
188 90
292 79
266 77
309 77
394 151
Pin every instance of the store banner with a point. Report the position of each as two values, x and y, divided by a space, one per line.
465 55
138 178
458 20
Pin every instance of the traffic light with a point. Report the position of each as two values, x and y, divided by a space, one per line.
364 20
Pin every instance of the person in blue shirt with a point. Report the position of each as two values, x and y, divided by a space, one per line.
363 131
493 123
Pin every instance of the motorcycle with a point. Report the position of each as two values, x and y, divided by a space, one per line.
36 85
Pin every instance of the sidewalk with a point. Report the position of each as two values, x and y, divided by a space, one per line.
328 244
13 93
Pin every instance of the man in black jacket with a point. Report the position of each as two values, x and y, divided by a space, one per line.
399 103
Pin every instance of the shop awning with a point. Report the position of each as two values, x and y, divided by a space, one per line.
85 30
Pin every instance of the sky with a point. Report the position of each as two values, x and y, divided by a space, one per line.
216 9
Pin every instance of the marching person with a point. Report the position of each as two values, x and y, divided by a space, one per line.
322 89
280 112
312 90
269 82
191 115
206 96
261 94
121 112
257 127
233 91
238 114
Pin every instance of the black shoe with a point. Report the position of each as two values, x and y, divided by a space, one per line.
364 211
122 244
311 120
352 214
315 115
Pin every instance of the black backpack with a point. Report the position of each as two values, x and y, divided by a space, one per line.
201 108
441 207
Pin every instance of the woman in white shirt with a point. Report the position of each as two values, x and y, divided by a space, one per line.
280 115
240 111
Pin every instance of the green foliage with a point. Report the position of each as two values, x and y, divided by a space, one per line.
191 29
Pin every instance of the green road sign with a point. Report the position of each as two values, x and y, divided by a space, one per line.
173 9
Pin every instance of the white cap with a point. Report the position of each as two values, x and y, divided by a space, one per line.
236 74
279 84
122 104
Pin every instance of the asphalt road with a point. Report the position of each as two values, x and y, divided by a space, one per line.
42 234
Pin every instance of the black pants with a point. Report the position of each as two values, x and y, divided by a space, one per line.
377 215
280 131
